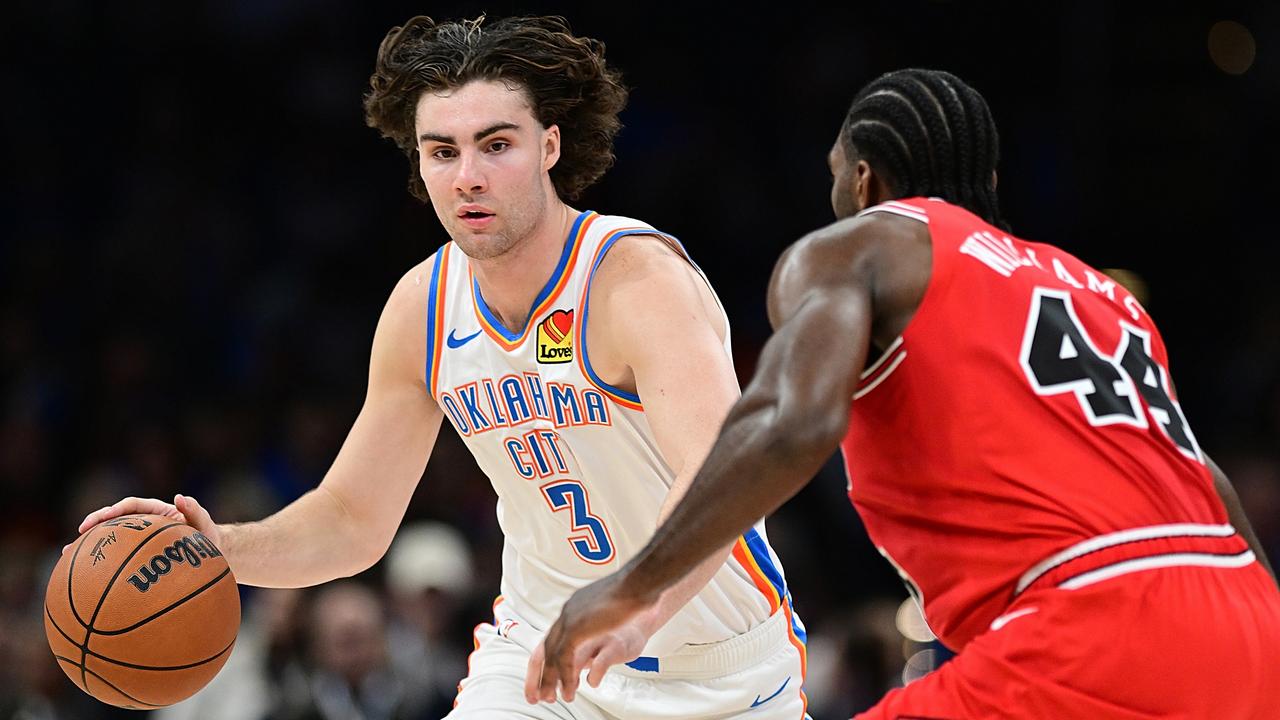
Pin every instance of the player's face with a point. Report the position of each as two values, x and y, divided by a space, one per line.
844 196
485 159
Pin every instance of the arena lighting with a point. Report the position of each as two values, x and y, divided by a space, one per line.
910 622
1131 281
1231 47
919 665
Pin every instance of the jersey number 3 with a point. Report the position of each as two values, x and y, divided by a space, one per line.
591 539
1058 356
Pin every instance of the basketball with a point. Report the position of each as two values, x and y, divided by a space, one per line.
142 611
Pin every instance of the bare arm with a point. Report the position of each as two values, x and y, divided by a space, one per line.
660 331
659 309
788 422
790 418
1235 512
345 524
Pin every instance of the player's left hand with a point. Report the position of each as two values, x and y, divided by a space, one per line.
599 626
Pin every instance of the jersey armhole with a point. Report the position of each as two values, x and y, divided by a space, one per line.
435 316
618 395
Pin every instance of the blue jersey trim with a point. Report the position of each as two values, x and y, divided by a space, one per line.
586 305
432 292
644 663
760 551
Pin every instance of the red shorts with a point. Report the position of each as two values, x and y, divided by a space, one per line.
1177 642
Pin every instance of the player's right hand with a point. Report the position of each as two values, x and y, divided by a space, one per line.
592 631
184 508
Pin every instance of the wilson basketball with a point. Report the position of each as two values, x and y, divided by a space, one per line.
142 612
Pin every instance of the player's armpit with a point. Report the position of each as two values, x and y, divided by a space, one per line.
1236 514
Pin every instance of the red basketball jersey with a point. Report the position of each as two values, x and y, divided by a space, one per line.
1025 412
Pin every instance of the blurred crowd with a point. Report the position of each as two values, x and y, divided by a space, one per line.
197 234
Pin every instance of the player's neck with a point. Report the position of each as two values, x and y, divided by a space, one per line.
511 282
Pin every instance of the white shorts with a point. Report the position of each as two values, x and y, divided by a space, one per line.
757 675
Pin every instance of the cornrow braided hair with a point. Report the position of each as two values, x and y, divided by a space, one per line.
565 77
928 134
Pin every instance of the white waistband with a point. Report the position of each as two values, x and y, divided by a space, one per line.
711 660
1119 538
690 662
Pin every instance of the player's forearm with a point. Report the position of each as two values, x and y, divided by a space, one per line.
764 456
311 541
679 594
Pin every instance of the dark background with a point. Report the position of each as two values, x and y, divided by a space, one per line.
197 233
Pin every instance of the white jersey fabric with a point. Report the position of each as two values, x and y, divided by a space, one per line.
578 474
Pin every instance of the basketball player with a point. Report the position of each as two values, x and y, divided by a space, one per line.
1013 441
583 359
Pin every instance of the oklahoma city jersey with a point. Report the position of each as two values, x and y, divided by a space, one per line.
1024 430
579 476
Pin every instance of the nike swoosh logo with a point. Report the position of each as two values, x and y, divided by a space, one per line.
1006 619
760 702
456 342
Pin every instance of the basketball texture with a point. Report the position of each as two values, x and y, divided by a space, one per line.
142 612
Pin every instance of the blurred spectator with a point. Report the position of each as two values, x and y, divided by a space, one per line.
860 657
350 676
429 573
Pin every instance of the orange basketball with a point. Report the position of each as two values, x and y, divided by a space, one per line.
142 611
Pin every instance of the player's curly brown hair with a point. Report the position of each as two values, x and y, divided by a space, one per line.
565 76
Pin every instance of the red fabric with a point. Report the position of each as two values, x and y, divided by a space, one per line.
1186 642
965 475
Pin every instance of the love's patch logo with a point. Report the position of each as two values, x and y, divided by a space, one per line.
555 338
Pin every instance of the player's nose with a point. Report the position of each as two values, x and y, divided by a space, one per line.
470 179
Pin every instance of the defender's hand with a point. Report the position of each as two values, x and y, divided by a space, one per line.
183 509
599 626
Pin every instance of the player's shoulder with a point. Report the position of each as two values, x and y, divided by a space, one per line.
604 224
860 241
634 249
416 279
407 300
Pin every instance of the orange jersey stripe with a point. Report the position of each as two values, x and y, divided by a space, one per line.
744 558
800 648
438 320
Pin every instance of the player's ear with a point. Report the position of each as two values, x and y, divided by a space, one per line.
865 185
550 147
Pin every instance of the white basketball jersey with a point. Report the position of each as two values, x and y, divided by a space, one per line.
578 474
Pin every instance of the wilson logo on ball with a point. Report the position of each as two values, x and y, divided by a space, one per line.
189 550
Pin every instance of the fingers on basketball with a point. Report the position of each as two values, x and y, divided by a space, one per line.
193 513
143 612
131 506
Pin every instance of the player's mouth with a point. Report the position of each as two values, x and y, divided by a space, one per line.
475 216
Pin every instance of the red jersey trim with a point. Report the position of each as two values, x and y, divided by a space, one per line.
1214 560
1121 547
898 208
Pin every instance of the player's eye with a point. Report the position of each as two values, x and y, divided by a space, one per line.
443 153
499 145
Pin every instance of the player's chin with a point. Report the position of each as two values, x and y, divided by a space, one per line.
483 245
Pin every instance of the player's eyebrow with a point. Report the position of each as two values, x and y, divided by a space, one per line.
482 134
